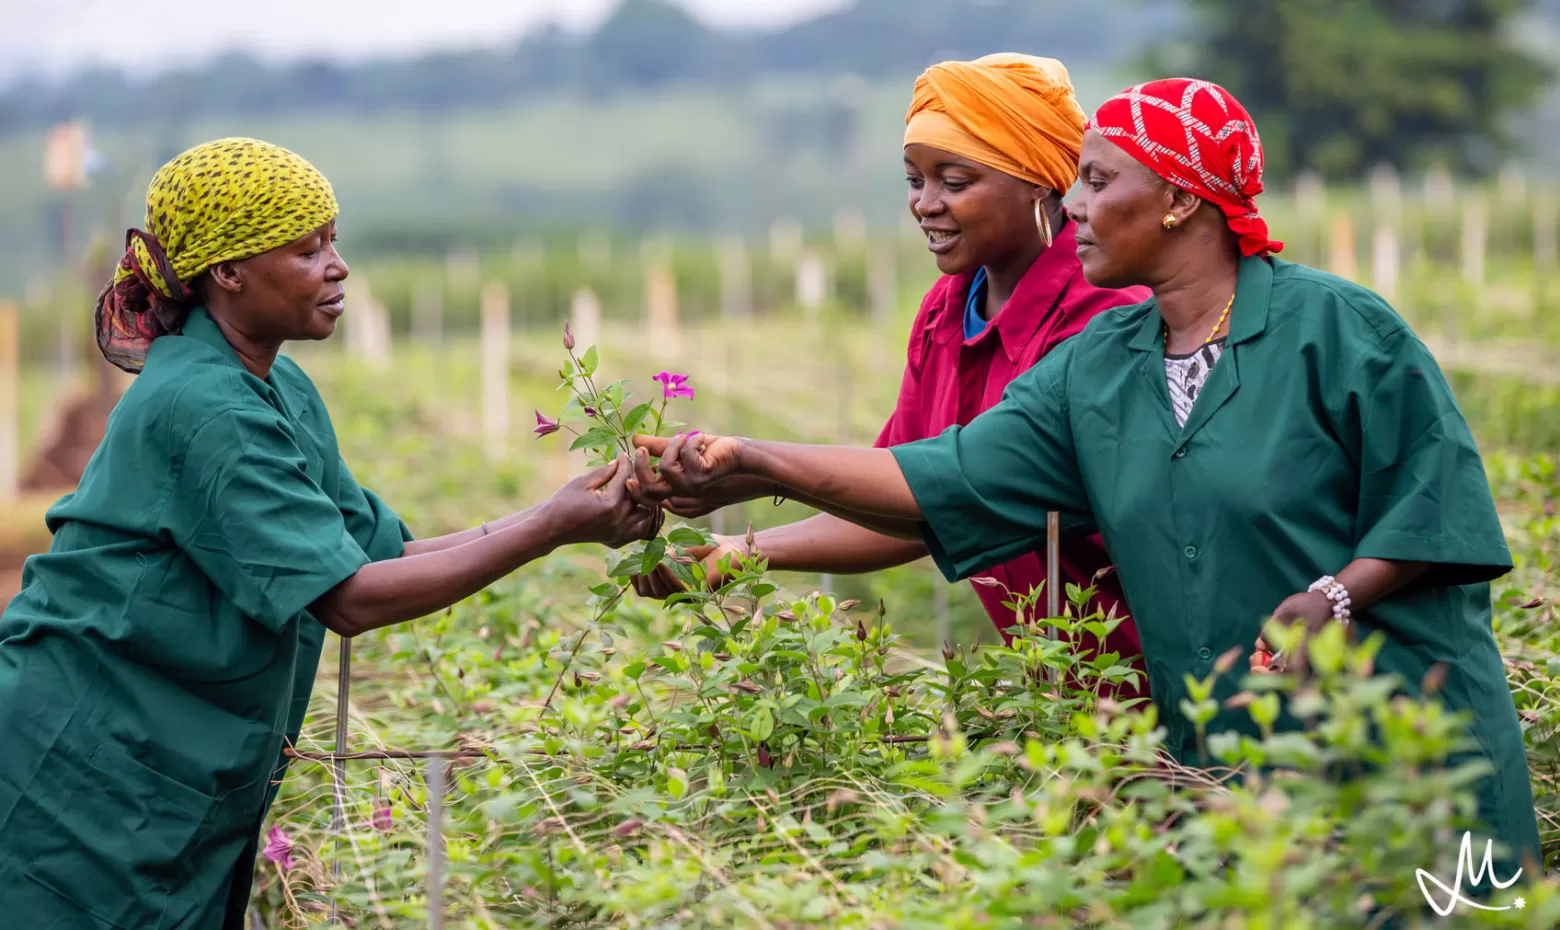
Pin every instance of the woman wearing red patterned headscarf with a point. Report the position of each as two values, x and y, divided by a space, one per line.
1259 439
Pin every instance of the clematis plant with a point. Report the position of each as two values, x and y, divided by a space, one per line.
613 420
279 848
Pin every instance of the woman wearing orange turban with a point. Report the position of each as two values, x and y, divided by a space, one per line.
990 148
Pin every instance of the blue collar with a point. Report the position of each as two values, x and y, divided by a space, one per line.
974 323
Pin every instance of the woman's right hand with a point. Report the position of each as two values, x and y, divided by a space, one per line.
662 584
690 467
597 507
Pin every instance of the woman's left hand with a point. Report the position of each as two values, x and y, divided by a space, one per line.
691 464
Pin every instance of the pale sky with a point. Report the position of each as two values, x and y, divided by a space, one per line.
56 36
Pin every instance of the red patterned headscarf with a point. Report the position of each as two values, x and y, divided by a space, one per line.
1197 136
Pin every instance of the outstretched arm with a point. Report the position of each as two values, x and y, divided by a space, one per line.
855 482
452 540
596 507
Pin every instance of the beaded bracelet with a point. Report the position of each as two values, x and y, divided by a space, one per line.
1337 594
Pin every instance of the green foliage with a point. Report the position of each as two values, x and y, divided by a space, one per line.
1341 85
749 757
752 760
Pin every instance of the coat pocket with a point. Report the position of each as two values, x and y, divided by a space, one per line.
113 836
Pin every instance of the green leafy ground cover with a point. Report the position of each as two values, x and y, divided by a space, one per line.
769 756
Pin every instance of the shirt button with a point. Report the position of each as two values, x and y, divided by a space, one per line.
1190 552
1179 453
1205 653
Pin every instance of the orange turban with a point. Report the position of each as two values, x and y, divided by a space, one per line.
1015 113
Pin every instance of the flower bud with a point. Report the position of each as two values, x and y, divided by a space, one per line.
545 425
947 651
568 336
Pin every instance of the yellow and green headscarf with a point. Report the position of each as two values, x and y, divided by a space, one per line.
221 201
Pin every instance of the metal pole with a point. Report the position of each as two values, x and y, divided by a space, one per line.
435 783
338 820
1053 543
1053 573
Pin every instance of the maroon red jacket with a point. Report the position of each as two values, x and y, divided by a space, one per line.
949 380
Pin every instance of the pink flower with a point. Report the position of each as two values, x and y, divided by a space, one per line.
383 818
568 336
673 385
279 847
590 411
545 425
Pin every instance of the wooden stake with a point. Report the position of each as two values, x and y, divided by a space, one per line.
1311 207
495 368
1386 194
1340 246
1386 258
736 280
1475 239
1546 251
661 311
428 312
811 284
585 318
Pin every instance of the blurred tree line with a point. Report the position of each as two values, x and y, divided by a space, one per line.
1341 85
1337 85
645 43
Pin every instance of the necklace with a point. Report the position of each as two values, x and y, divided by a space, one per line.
1216 327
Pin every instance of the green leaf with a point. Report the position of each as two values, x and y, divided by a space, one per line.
604 590
635 417
594 438
689 537
654 551
763 724
589 361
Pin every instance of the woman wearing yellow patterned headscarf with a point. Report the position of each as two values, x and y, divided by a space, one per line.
160 656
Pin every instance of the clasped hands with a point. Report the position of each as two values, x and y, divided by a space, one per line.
696 475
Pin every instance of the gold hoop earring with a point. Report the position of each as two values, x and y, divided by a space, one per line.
1043 223
1169 221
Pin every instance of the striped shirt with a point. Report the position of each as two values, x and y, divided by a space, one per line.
1186 375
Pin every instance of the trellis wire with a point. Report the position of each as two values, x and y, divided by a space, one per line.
338 820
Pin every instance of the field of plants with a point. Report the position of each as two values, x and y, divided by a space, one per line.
791 751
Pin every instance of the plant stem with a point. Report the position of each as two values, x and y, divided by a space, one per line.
569 662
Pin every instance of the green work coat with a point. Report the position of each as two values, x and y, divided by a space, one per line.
1325 433
158 658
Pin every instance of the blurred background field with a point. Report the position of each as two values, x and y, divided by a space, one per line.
724 196
701 192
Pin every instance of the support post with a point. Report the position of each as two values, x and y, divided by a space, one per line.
435 783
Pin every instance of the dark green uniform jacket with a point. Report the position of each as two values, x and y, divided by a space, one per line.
1325 433
159 656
